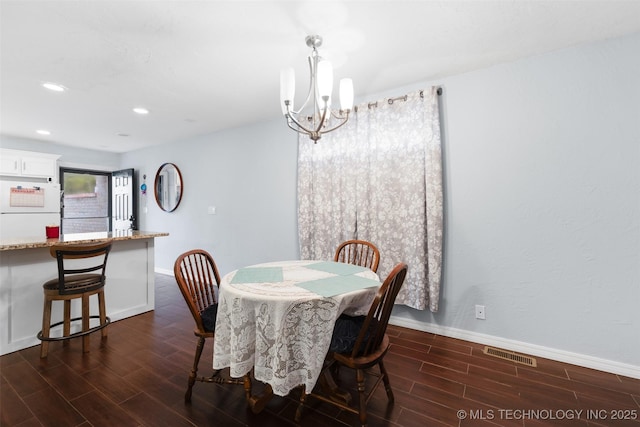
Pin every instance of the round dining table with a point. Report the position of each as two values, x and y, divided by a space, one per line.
277 318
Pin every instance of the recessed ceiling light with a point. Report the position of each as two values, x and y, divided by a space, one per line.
54 87
43 132
140 110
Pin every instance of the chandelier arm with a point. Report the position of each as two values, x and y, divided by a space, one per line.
298 129
311 86
322 119
344 120
311 89
297 123
340 115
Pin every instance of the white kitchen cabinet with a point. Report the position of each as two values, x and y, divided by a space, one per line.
28 164
39 166
10 164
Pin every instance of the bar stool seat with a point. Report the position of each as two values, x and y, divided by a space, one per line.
76 280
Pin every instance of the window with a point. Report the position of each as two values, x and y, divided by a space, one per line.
86 206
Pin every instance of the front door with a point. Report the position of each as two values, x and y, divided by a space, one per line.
123 207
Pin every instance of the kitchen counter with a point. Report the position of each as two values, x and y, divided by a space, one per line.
76 238
25 264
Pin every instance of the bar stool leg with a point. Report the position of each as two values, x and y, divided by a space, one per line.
103 312
67 321
85 322
46 325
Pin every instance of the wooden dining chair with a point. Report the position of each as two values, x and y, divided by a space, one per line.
358 252
198 279
78 278
360 343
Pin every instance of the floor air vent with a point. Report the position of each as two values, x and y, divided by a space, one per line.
509 355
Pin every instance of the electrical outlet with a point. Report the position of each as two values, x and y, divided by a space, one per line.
480 312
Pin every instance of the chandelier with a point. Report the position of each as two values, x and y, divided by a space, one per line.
315 117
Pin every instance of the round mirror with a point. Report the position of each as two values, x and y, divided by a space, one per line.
168 189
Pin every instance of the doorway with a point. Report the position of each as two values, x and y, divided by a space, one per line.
97 201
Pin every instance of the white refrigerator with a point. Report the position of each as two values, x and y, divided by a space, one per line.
26 208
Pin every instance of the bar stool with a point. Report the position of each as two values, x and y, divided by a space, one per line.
76 279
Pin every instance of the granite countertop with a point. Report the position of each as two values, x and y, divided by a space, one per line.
76 238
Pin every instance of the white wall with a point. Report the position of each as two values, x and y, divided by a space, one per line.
248 175
542 164
542 187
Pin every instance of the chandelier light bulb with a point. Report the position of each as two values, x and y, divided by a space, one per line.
287 88
346 94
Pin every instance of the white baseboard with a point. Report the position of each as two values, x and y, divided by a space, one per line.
522 347
163 271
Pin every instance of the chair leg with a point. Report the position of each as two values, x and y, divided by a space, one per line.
362 397
194 369
247 386
385 380
303 399
103 312
46 326
85 322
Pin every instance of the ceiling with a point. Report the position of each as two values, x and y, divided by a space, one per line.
203 66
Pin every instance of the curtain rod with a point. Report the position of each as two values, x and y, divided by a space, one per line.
399 98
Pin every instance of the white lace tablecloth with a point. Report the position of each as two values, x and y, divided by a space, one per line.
279 328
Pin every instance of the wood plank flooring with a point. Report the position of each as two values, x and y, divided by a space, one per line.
137 377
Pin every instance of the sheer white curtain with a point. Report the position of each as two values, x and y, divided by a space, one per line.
379 178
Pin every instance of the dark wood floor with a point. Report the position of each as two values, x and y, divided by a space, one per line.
137 377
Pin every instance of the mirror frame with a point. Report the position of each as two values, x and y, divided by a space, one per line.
155 188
